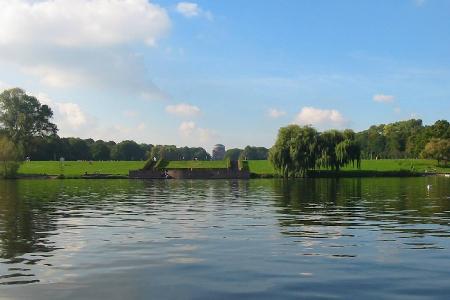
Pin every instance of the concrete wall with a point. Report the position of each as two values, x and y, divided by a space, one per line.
146 174
192 174
208 174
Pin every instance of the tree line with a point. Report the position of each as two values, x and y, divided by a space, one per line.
26 130
248 153
404 139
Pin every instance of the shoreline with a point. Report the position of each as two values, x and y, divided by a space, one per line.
316 174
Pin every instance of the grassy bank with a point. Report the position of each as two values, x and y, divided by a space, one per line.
257 167
402 166
78 168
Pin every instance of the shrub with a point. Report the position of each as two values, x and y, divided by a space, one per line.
9 157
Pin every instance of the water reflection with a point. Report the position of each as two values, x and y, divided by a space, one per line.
202 239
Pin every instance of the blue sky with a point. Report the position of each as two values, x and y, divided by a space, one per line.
204 72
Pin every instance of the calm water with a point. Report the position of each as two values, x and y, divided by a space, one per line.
261 239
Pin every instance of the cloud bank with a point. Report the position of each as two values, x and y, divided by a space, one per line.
82 42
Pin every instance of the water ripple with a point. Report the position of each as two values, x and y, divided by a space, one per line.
225 239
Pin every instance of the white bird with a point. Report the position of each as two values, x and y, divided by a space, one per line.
429 186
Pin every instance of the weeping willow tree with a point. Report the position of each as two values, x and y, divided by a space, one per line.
338 149
295 150
348 152
327 157
300 149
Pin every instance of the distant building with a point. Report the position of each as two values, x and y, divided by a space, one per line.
218 152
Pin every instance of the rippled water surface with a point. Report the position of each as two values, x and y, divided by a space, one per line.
260 239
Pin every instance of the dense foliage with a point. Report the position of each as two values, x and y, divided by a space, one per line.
23 117
53 148
405 139
171 152
248 153
438 149
299 149
233 153
254 153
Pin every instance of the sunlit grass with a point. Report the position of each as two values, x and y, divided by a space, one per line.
260 167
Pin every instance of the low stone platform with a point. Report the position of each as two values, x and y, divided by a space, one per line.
191 174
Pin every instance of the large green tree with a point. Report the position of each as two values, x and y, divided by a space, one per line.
23 117
295 150
233 153
100 150
254 153
127 150
327 149
438 149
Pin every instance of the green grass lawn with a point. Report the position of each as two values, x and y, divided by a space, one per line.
77 168
417 165
260 167
381 165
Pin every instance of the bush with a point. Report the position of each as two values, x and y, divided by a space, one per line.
9 169
161 164
243 165
9 157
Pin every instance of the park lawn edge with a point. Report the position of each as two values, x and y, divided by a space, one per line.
258 169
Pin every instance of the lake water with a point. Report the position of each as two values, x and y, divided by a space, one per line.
257 239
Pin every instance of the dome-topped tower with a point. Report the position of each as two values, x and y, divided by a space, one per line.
218 152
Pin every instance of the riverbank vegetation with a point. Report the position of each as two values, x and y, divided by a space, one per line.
22 118
404 139
9 158
300 149
256 167
27 133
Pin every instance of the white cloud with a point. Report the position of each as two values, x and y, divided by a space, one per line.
81 23
321 118
383 98
275 113
68 116
194 134
191 10
183 109
72 113
67 43
186 128
54 76
73 121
